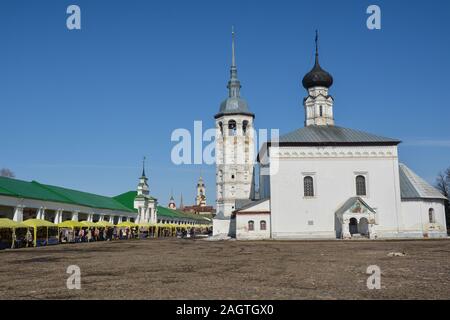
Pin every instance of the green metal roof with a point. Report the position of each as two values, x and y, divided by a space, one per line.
86 199
123 202
37 191
127 199
29 190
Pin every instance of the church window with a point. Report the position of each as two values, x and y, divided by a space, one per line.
361 186
431 215
251 225
263 225
232 176
221 127
321 111
231 128
244 126
308 186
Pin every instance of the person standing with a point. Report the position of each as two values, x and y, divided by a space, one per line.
89 235
29 238
13 238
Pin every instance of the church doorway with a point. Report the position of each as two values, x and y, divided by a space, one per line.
353 226
363 227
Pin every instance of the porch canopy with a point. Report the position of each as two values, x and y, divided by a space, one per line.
355 216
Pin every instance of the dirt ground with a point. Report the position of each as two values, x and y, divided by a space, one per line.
199 269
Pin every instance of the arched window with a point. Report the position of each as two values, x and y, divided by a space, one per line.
244 126
231 128
431 215
361 186
251 225
221 127
321 111
308 186
263 225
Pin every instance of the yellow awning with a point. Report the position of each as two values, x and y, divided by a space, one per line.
146 225
87 224
10 224
127 224
70 224
104 224
35 223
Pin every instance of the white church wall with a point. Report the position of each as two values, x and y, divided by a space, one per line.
416 218
221 227
334 170
242 226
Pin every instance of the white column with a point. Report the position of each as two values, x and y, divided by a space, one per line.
75 216
372 231
58 216
346 230
111 219
140 212
146 215
101 218
120 220
90 217
18 214
41 213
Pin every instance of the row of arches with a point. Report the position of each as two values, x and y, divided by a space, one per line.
232 127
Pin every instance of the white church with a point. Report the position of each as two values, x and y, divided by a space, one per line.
324 181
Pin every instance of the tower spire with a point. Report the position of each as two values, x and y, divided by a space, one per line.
317 48
143 166
234 85
233 55
181 202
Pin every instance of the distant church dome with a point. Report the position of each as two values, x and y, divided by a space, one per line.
317 77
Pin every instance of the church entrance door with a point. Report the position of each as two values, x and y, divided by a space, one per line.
353 226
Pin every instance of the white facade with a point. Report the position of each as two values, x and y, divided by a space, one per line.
417 222
333 170
253 223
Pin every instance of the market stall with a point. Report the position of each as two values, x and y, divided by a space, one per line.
146 230
128 230
44 232
12 231
68 231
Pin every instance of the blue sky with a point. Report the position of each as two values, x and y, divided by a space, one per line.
80 108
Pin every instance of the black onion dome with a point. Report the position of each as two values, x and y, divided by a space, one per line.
317 77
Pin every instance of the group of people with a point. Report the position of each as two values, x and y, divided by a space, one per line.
96 234
24 237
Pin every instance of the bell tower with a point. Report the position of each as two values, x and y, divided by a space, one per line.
200 200
143 202
318 104
234 146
